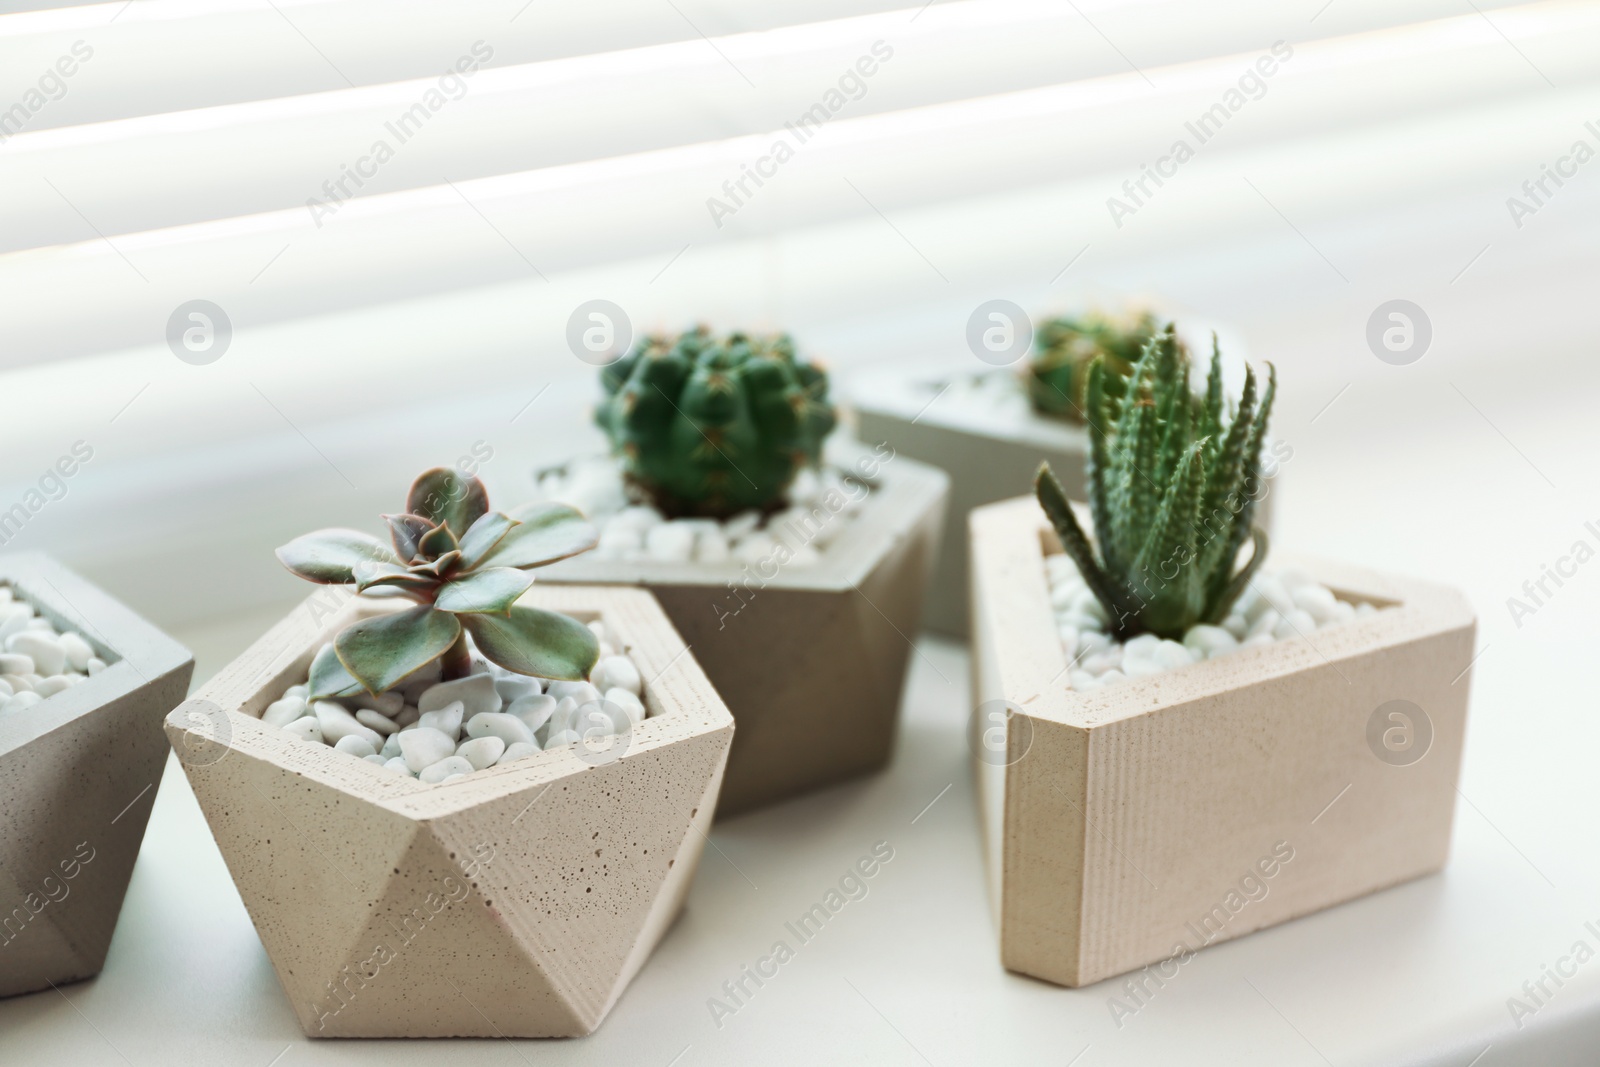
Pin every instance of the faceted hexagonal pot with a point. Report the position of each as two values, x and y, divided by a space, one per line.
811 660
515 902
1134 824
78 775
988 460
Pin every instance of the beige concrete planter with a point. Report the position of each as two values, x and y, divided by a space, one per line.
805 656
988 460
515 902
1134 824
78 776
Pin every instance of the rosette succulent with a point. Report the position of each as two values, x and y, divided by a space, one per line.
1173 485
1064 349
711 427
465 566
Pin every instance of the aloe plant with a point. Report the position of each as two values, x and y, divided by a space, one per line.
1066 347
711 427
465 566
1173 484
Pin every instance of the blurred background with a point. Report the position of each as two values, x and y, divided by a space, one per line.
394 211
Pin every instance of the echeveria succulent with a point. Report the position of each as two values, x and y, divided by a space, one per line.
465 566
712 427
1172 493
1065 348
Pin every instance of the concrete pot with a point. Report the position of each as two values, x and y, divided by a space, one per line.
988 459
1132 825
78 776
516 902
806 657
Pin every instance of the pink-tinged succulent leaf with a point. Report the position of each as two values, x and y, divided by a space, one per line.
437 541
545 532
379 652
394 576
406 531
329 678
445 495
490 591
328 557
444 565
484 535
541 643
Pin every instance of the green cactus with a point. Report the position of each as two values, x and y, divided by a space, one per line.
1172 493
709 427
465 566
1064 348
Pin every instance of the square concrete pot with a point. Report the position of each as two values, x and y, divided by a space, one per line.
515 902
1134 824
989 459
811 660
78 775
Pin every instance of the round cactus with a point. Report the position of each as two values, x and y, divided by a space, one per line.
712 427
1058 373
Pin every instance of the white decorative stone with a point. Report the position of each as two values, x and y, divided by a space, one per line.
516 686
520 750
388 703
52 685
476 693
447 720
562 737
624 699
305 729
281 713
481 752
356 746
534 711
77 651
582 692
15 663
445 769
41 647
24 700
507 728
377 721
337 723
96 665
617 672
669 542
423 747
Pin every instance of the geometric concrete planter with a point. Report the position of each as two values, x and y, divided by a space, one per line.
810 660
1129 826
78 776
514 902
989 459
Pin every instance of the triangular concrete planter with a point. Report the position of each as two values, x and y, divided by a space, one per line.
516 902
811 660
1132 825
78 776
988 459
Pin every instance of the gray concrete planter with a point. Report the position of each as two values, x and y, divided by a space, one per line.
988 460
811 661
78 776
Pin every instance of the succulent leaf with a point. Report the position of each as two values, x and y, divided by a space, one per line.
380 575
445 495
492 590
544 533
406 532
1172 492
380 651
329 678
536 642
329 557
713 426
1066 348
481 538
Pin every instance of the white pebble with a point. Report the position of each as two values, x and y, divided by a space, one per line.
408 715
96 665
24 700
520 750
1210 640
77 651
669 542
306 729
582 692
13 619
281 713
391 746
337 723
302 692
711 547
507 728
1236 625
1170 654
397 765
52 685
18 683
1364 609
356 746
1137 667
42 648
534 711
388 704
42 625
561 737
476 693
599 719
617 672
445 769
15 663
1294 624
516 686
447 720
628 702
423 747
481 752
377 720
1265 622
1315 601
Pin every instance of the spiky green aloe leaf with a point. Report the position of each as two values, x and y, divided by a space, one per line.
545 532
445 495
1059 510
540 643
329 557
379 652
491 591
